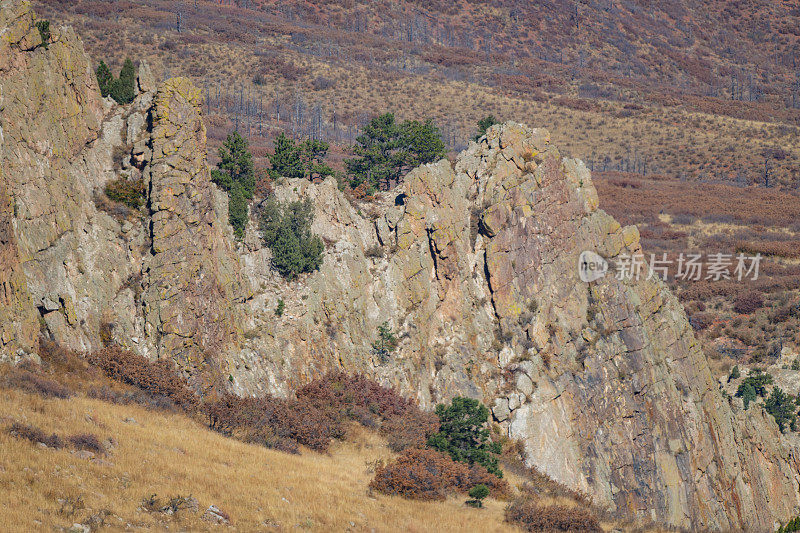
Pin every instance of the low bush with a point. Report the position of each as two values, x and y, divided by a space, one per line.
272 422
35 435
127 192
532 515
158 378
356 397
425 474
86 441
137 397
36 384
748 303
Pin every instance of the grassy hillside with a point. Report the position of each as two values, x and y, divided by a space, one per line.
170 455
68 458
672 89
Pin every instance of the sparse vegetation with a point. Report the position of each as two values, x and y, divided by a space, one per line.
44 32
386 343
484 124
128 192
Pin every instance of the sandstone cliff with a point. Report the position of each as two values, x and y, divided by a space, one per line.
475 268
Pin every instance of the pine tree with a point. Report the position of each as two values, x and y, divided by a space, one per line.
464 435
421 142
236 175
123 89
236 165
782 408
105 79
386 149
378 164
286 159
286 229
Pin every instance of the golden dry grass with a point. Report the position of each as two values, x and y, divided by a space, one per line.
171 455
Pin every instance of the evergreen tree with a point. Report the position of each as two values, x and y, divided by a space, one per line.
236 175
123 89
464 435
236 165
313 154
421 143
758 380
286 159
484 124
286 229
748 394
782 408
237 209
378 162
386 149
105 79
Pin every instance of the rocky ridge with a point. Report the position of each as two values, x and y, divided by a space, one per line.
474 265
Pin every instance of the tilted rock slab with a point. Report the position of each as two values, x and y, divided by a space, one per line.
603 382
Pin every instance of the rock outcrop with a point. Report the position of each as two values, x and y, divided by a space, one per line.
192 277
473 265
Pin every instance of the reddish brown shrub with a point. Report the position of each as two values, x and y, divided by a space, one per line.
355 397
425 474
748 303
158 378
272 422
138 397
411 430
86 441
531 515
36 384
35 434
420 474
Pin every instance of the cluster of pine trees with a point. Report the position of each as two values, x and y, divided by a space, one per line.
122 89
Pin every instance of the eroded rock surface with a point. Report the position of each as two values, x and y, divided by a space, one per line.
474 266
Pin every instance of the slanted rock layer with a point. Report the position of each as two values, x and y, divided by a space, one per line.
474 266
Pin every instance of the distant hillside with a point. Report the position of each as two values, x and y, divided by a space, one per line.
697 90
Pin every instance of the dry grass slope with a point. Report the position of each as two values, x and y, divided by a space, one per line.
171 455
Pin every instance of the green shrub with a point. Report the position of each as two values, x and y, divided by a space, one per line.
477 493
735 374
280 308
791 526
463 433
130 193
105 79
44 31
757 379
747 393
286 229
386 342
484 124
123 90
